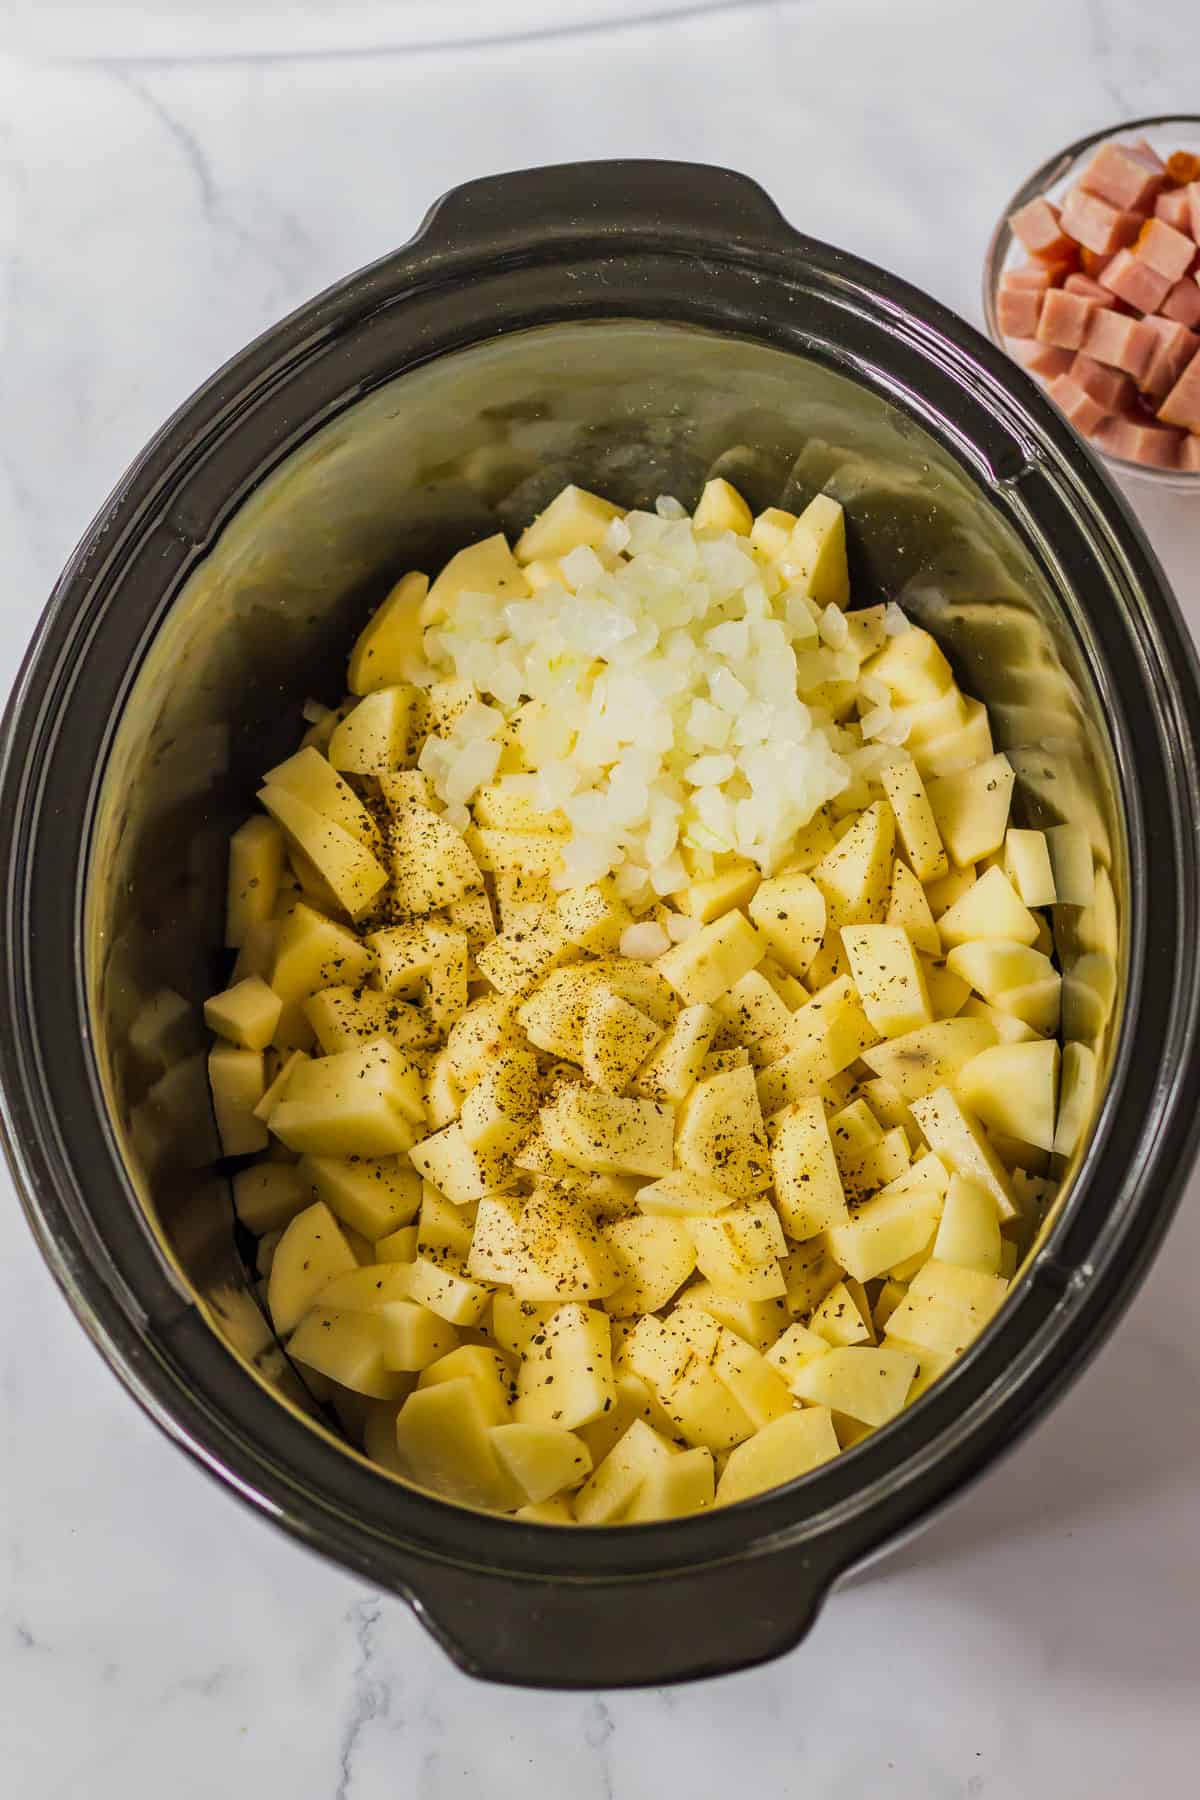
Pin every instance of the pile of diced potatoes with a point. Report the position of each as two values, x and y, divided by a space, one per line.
593 1218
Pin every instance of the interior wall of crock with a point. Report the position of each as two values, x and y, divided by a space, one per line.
446 453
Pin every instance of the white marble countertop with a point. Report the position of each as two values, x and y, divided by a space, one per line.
1044 1640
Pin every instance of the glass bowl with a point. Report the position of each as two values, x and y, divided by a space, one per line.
1177 132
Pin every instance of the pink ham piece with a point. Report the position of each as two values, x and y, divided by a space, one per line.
1064 319
1176 348
1037 276
1133 280
1121 174
1040 359
1140 442
1110 388
1193 193
1121 342
1091 290
1018 310
1183 303
1182 404
1189 454
1096 225
1168 251
1076 404
1037 227
1174 209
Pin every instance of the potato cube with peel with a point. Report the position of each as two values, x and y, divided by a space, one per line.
721 508
969 1230
655 1256
618 1479
381 733
452 1295
706 965
868 1382
971 808
609 1135
348 1348
855 876
808 1186
592 918
480 1364
374 1196
895 1224
255 869
444 1444
542 1459
567 1255
574 517
908 908
730 888
959 1139
566 1375
739 1250
721 1135
889 976
797 1345
841 1319
311 779
1013 1089
789 912
360 1103
314 952
682 1484
499 1112
617 1039
814 558
790 1446
674 1066
351 871
311 1252
390 641
915 822
237 1082
1027 865
932 1056
990 908
431 864
946 1307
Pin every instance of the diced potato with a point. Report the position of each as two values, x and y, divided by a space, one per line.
452 1295
990 908
889 977
1013 977
1096 925
424 961
673 1069
542 1459
498 1113
841 1319
618 1480
706 965
946 1307
268 1195
771 532
756 1384
739 1250
592 919
567 1255
547 1512
942 894
962 747
311 778
351 871
460 1171
360 1103
348 1348
486 1368
730 888
815 556
443 1096
960 1141
515 1323
895 1225
808 1186
369 1287
497 1250
390 642
311 1252
912 667
969 1230
444 1230
971 808
314 952
655 1256
553 1014
1013 1088
721 508
237 1081
1027 865
680 1485
344 1018
444 1444
1089 994
255 867
869 1383
855 877
1008 1029
524 952
783 1451
431 864
573 517
908 908
609 1135
487 567
681 1195
617 1039
721 1135
278 1088
487 1029
381 733
914 818
758 1322
890 1108
1071 859
797 1345
753 1011
566 1378
828 1034
809 1273
1077 1097
398 1246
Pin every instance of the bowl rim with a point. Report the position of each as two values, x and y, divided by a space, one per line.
1051 171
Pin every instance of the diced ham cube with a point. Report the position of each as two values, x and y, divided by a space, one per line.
1149 155
1040 359
1168 251
1182 303
1064 319
1133 280
1080 409
1018 310
1189 453
1121 342
1033 275
1091 290
1120 174
1138 441
1110 388
1182 404
1096 225
1193 193
1176 348
1175 209
1037 227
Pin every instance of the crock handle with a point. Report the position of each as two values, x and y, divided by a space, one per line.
581 1634
671 200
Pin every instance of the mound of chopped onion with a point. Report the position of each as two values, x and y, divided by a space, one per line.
669 693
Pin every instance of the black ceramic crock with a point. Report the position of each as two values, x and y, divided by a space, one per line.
634 326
